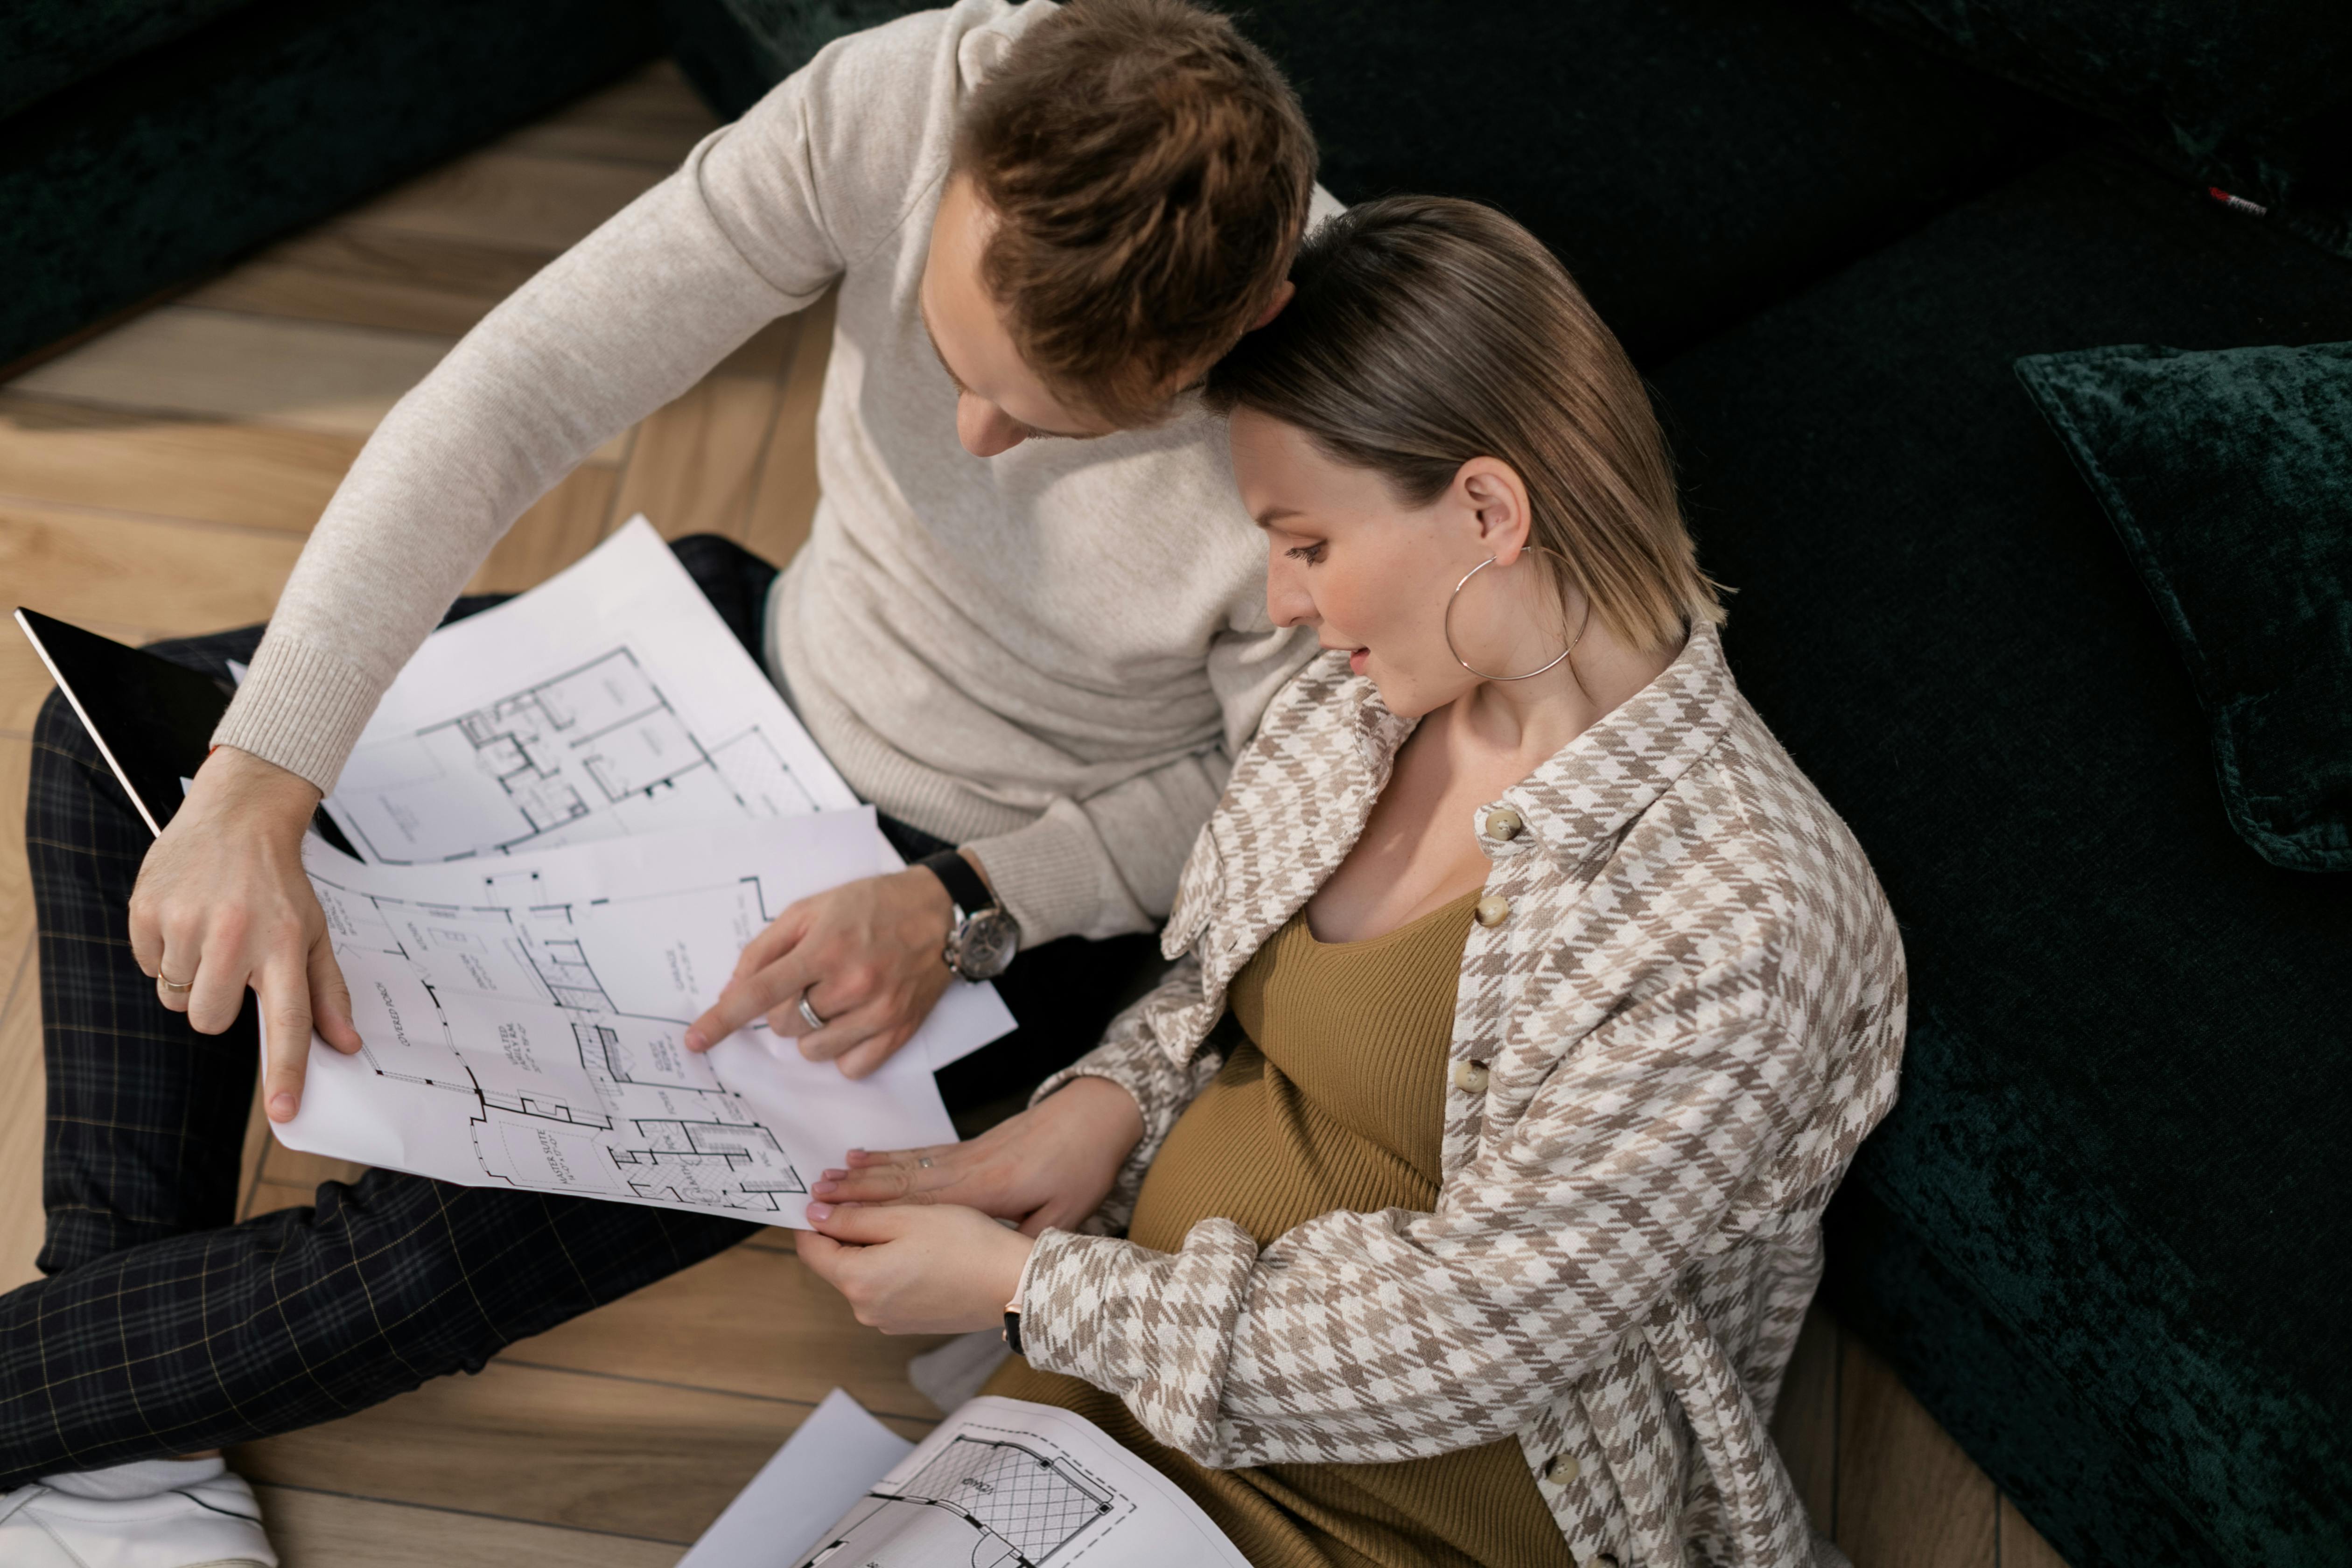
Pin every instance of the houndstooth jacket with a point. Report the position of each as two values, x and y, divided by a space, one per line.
1680 1011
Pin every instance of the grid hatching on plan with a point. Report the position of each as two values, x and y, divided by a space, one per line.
1033 1502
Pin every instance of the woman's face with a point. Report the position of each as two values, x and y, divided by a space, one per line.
1370 575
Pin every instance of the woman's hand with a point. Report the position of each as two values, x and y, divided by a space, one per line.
915 1270
1053 1165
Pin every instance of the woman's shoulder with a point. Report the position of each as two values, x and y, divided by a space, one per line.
1745 856
1324 708
1320 752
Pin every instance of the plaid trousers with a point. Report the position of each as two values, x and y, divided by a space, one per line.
161 1326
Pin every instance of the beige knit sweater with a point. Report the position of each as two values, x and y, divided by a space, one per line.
1053 654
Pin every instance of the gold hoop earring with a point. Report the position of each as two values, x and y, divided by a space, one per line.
1452 598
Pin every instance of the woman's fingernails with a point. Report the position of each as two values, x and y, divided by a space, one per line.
694 1040
281 1106
826 1188
820 1211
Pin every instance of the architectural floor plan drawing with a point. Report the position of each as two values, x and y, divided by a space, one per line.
636 711
992 1503
1001 1483
523 1023
587 1092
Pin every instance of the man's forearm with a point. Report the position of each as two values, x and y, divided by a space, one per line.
574 357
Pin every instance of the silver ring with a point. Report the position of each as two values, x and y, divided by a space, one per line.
808 1014
925 1162
170 985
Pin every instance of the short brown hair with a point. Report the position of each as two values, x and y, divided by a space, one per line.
1428 331
1149 171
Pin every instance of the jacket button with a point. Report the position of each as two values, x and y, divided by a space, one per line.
1503 823
1493 911
1470 1078
1562 1470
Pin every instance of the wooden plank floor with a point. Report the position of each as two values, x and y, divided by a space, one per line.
160 480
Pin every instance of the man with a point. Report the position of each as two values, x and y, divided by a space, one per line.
1028 624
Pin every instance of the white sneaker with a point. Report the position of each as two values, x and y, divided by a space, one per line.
156 1513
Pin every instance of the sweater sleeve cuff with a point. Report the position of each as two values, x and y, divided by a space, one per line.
301 709
1051 874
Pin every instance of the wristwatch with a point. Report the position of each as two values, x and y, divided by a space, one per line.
984 939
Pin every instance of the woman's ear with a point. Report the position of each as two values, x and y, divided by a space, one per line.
1491 494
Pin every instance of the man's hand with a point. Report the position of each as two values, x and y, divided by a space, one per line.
222 901
916 1271
869 957
1053 1165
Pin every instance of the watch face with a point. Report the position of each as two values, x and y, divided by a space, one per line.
985 946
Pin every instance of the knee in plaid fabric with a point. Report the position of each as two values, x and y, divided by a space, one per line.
145 1116
307 1314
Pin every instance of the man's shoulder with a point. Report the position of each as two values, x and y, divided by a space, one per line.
863 132
948 51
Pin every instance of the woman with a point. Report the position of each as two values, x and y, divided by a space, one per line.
1530 1003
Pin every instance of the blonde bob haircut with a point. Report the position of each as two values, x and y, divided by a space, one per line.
1427 331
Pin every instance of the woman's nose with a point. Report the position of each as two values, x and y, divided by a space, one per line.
1287 603
985 428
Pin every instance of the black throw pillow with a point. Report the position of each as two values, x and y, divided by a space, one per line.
2229 476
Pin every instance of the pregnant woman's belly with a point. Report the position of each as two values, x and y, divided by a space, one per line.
1335 1102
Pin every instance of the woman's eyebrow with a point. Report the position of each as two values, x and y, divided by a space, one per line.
1274 514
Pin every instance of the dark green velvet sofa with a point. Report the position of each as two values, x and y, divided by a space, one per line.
2104 1235
145 142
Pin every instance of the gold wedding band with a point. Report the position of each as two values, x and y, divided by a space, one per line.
168 984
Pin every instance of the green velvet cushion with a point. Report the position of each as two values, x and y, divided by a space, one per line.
2254 96
2229 476
49 44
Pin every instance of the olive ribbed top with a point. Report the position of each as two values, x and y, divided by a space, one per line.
1336 1102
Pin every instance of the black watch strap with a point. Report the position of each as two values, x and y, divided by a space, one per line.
963 884
1013 1332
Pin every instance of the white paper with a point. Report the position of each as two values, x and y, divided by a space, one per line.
820 1474
1004 1482
523 1020
609 700
959 1369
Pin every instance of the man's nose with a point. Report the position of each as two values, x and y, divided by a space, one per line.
985 428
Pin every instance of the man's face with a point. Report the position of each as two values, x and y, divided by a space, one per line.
999 401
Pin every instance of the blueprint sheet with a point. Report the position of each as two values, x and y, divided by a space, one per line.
611 700
523 1019
1001 1483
